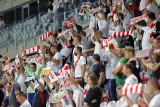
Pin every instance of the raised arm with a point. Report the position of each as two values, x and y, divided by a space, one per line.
151 66
117 69
21 64
138 26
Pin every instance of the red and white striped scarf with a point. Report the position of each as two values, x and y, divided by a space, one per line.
114 36
133 89
138 19
45 36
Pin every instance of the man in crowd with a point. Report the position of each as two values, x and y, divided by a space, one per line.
22 99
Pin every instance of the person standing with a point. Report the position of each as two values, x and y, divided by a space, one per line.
15 90
93 97
57 58
98 69
22 99
79 65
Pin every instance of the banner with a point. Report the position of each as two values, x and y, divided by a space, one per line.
61 97
133 89
46 71
45 36
52 77
67 23
106 42
143 53
31 50
64 71
7 67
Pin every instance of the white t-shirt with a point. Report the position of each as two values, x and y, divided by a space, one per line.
103 26
25 104
92 22
65 51
49 64
78 96
131 80
110 66
84 41
97 49
74 51
21 79
57 56
127 19
146 38
78 66
155 101
119 28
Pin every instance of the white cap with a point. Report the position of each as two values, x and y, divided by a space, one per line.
153 8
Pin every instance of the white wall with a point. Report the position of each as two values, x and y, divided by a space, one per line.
7 4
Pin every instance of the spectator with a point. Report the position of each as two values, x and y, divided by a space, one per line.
155 67
147 36
32 69
57 58
130 80
93 97
77 43
22 99
41 95
78 95
153 87
6 98
97 50
98 69
111 85
129 53
14 91
117 71
66 51
79 65
22 76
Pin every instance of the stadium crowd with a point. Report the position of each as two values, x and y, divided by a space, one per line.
115 63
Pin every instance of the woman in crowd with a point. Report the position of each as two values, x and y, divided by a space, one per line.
93 97
129 53
155 67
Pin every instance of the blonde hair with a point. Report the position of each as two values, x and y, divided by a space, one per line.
94 80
